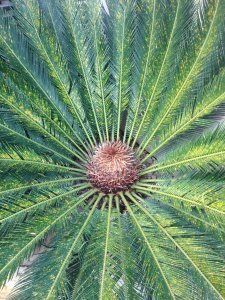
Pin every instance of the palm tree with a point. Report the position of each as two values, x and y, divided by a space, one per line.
113 149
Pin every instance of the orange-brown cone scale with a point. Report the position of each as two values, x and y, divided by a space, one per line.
112 167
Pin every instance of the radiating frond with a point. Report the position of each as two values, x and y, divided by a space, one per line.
112 147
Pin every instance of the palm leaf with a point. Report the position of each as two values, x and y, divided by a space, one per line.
112 149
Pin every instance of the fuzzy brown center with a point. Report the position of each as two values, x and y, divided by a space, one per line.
112 167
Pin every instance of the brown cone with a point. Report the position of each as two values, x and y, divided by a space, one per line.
113 167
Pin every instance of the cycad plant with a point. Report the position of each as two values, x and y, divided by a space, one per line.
112 148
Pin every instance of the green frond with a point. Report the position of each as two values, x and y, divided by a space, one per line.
112 148
200 251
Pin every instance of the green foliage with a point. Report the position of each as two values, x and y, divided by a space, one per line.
72 75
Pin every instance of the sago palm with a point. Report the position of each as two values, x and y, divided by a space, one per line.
113 149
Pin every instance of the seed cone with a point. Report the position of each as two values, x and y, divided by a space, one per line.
112 167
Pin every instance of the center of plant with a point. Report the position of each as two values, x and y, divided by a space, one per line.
113 167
